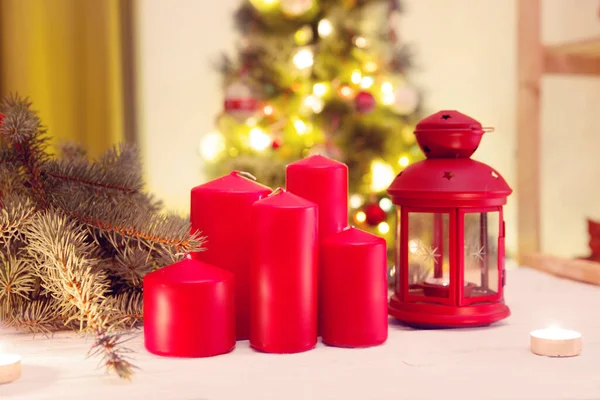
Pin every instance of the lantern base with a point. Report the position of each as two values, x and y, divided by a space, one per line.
428 315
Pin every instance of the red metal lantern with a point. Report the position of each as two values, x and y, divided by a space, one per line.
449 230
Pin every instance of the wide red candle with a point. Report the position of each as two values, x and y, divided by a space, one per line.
221 211
284 274
353 299
325 182
189 310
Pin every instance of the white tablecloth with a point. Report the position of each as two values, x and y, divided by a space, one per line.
484 363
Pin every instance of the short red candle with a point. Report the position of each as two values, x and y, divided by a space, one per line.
189 310
284 274
325 182
354 289
221 211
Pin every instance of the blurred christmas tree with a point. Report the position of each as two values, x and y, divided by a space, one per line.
319 76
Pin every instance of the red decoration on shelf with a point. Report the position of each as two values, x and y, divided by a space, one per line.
354 296
221 210
284 274
189 310
375 214
364 102
450 255
325 182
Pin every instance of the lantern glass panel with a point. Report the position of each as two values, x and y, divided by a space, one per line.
428 254
398 276
481 232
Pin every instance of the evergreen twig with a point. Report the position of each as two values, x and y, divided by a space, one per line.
77 236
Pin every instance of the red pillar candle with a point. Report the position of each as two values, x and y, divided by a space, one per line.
221 211
352 274
284 274
325 182
189 310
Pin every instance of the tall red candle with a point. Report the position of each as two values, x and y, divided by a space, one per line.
189 310
352 273
221 211
284 274
325 182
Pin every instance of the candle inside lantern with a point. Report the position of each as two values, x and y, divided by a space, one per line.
354 289
189 310
220 210
284 274
555 342
10 368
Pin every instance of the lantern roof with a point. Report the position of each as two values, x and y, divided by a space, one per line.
449 177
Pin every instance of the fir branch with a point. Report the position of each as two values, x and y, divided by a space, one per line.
118 169
21 125
129 310
37 316
16 280
118 214
131 264
11 181
16 212
71 274
114 354
24 133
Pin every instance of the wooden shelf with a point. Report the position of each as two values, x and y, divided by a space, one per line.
535 60
575 58
577 270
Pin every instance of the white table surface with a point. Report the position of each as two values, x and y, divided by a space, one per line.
484 363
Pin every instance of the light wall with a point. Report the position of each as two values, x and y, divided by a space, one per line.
465 55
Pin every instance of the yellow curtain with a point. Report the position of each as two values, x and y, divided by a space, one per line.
66 56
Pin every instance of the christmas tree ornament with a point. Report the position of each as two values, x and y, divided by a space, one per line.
450 248
221 210
277 142
189 310
296 8
364 102
240 101
353 264
375 214
284 274
406 100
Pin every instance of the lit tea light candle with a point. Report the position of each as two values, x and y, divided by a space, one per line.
10 368
555 342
